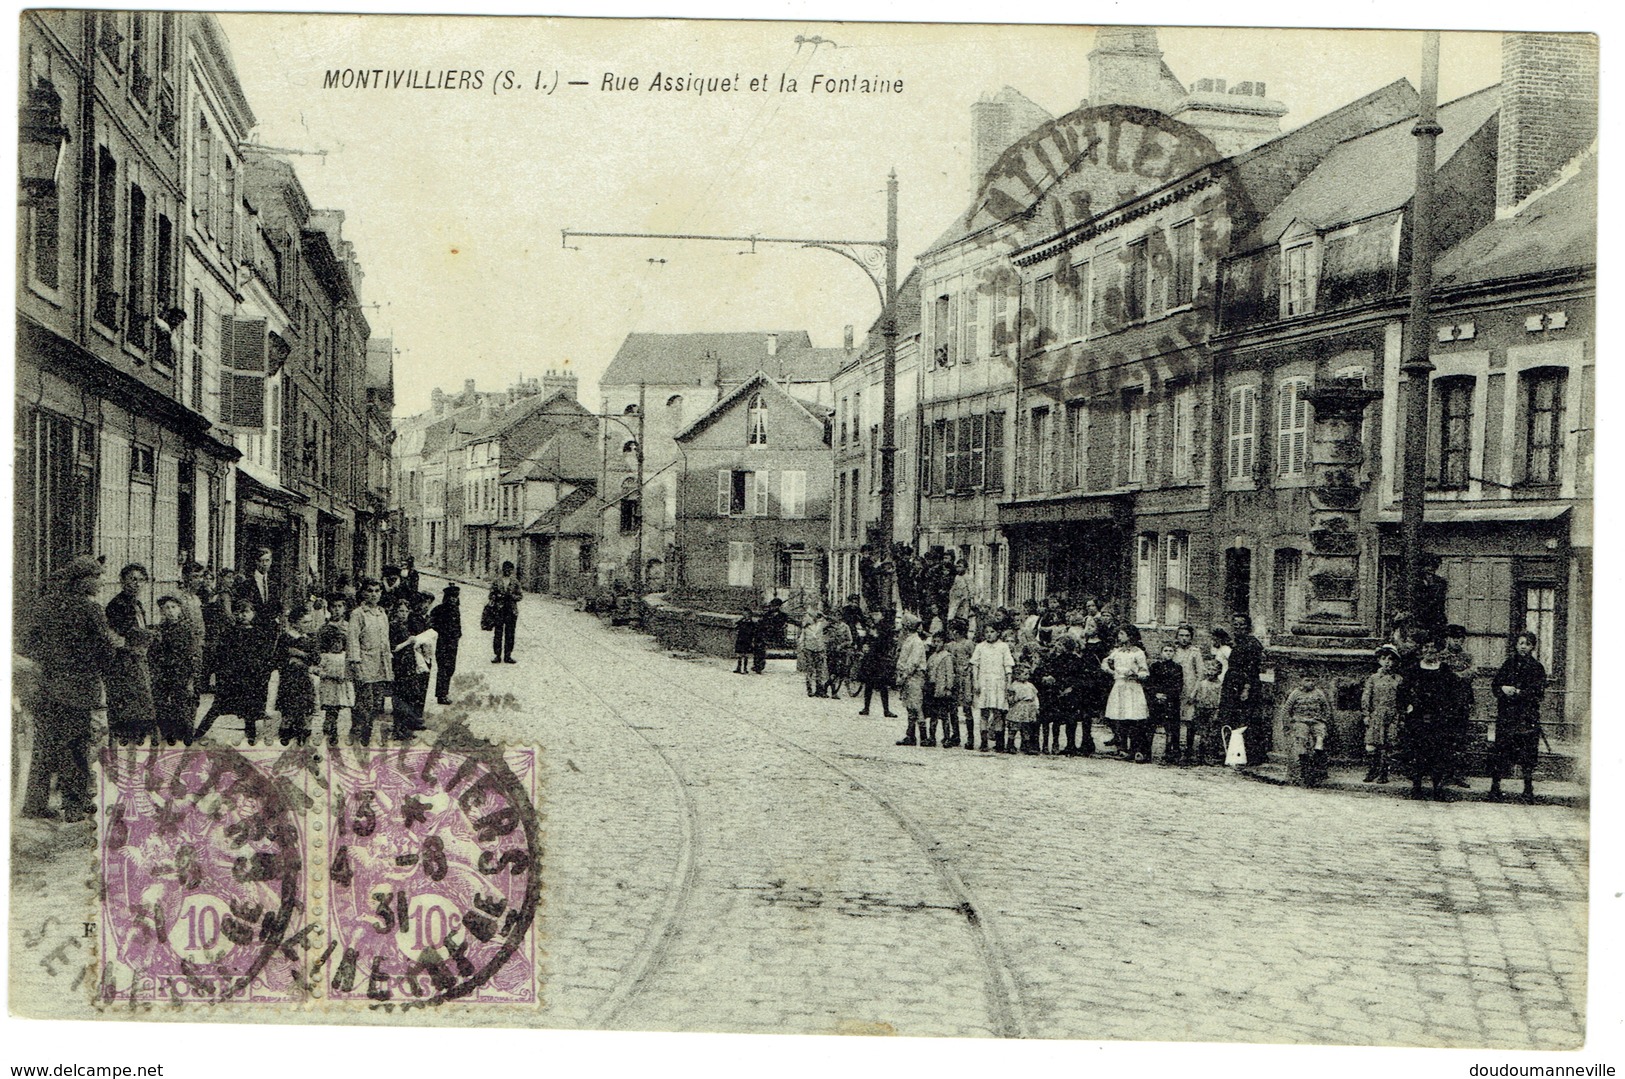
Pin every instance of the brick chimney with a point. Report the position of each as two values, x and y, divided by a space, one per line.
438 401
1548 110
846 338
555 381
772 344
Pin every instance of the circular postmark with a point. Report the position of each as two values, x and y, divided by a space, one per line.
426 870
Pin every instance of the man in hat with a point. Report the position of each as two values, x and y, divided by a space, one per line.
73 645
447 622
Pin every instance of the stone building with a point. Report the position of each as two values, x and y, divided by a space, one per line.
1319 292
753 504
118 455
655 387
858 393
162 313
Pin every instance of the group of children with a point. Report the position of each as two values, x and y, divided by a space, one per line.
283 666
1028 695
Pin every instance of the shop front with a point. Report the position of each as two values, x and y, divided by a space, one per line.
1073 547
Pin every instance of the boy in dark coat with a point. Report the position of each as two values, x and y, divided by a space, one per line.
1519 687
242 672
447 621
1163 692
744 642
173 662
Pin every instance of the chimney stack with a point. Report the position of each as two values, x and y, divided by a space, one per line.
556 381
847 338
1548 110
468 388
772 344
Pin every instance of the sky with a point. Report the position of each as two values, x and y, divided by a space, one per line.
455 198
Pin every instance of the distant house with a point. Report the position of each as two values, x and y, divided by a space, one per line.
657 384
552 496
753 504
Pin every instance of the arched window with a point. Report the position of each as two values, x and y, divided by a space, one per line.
674 409
756 427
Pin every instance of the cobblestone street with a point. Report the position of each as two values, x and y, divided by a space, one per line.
728 854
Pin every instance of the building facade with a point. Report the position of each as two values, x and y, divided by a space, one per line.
754 499
115 456
653 389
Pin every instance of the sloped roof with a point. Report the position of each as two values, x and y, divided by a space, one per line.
814 411
694 359
1552 232
1375 172
572 455
481 430
578 516
908 312
1266 173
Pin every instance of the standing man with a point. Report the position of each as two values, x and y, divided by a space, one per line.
769 630
1431 592
129 682
393 589
958 594
371 661
256 587
447 622
73 644
1242 688
505 597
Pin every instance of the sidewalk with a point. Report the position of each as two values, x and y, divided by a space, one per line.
1349 780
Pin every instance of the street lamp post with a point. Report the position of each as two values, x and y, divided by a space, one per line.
1418 366
863 254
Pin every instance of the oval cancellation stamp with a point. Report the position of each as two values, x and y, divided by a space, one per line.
385 878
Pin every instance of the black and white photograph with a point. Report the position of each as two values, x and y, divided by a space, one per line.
1051 535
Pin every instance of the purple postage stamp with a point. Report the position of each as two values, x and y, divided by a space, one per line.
425 868
379 877
202 866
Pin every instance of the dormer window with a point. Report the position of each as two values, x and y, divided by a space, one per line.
1300 268
756 421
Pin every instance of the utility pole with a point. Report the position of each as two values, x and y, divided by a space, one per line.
558 518
1418 366
637 571
888 417
862 253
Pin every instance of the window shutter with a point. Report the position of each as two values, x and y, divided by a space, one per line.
973 325
724 492
1249 429
1300 420
792 492
761 494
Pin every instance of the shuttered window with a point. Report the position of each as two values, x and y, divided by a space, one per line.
792 493
1243 433
1292 427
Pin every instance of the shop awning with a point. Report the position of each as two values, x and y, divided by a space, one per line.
1111 507
251 487
1500 513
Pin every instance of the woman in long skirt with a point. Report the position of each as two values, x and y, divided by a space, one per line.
991 664
1126 710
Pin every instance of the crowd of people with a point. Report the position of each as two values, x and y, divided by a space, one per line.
362 652
1042 679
